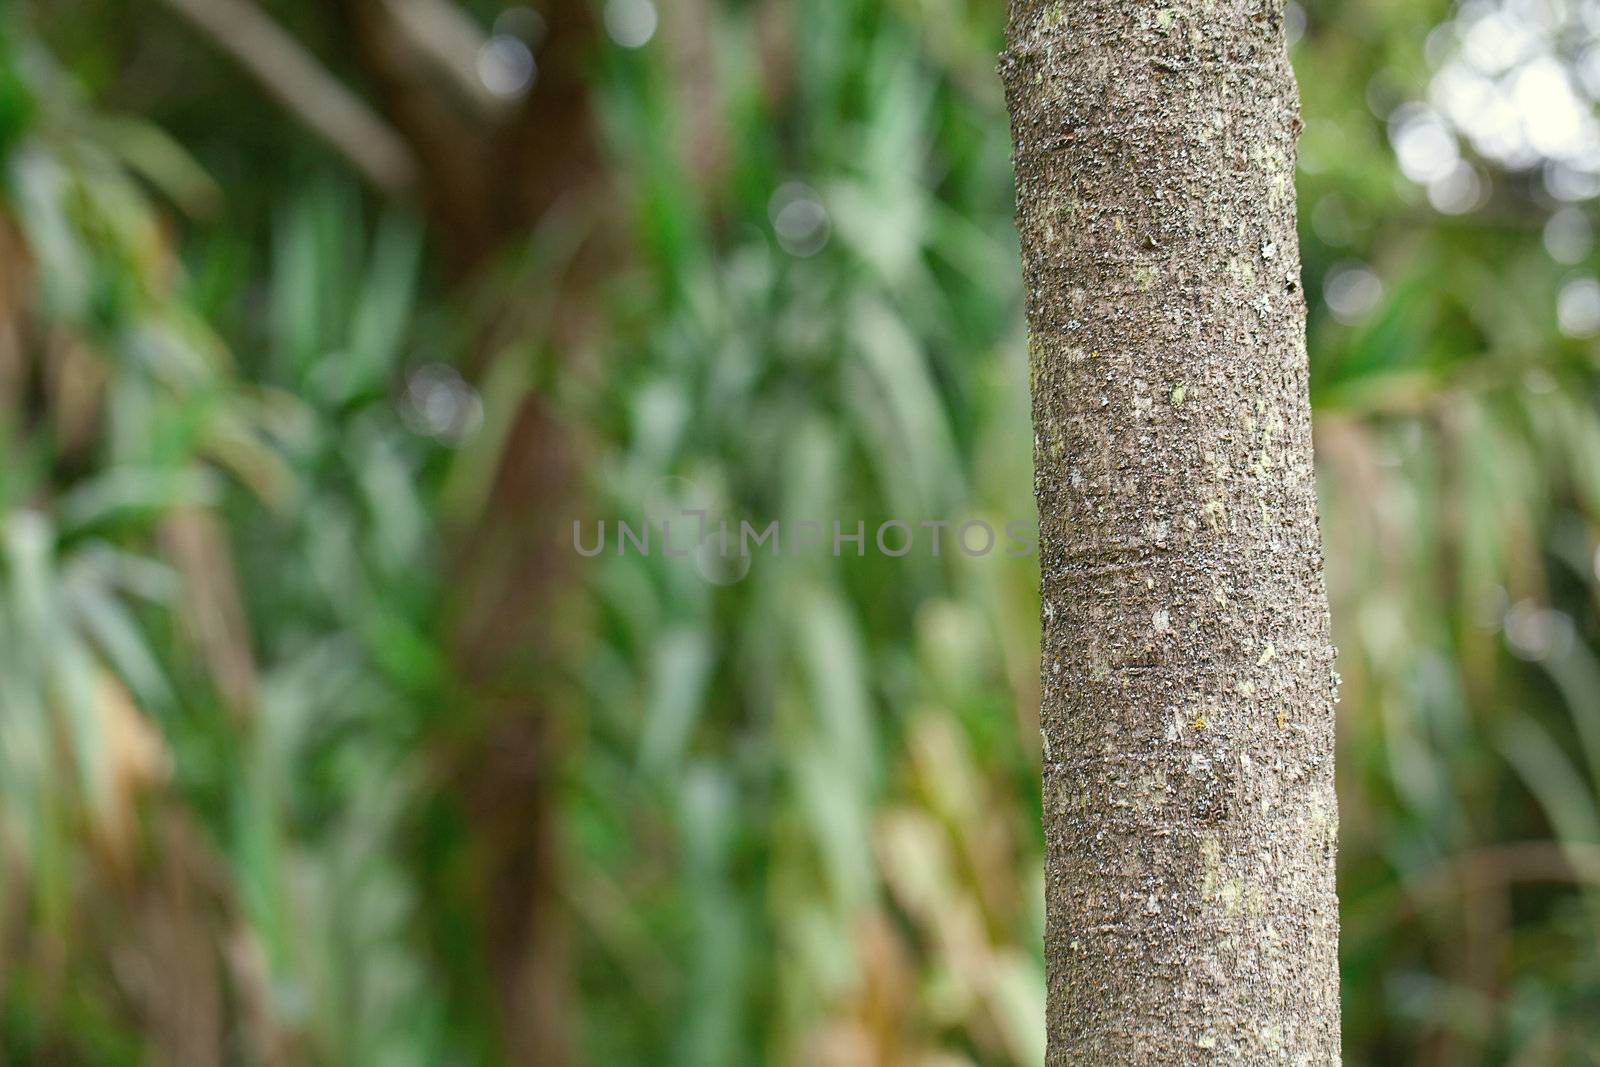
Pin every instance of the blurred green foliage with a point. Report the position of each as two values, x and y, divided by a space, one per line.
799 806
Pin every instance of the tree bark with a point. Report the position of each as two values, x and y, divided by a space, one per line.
1187 672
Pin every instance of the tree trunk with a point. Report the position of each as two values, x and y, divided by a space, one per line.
487 189
1188 685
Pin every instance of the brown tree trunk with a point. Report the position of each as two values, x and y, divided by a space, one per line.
486 190
487 179
1188 684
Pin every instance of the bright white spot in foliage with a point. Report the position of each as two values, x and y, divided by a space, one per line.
439 402
505 65
1351 290
1568 236
631 23
1458 192
799 219
1423 143
1517 80
1535 632
1578 308
1294 23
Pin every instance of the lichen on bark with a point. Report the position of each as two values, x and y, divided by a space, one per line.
1187 672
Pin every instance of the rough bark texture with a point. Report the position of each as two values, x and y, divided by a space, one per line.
1188 675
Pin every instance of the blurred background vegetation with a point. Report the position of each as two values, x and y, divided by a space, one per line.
321 321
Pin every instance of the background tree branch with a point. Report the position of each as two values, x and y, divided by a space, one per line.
294 78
